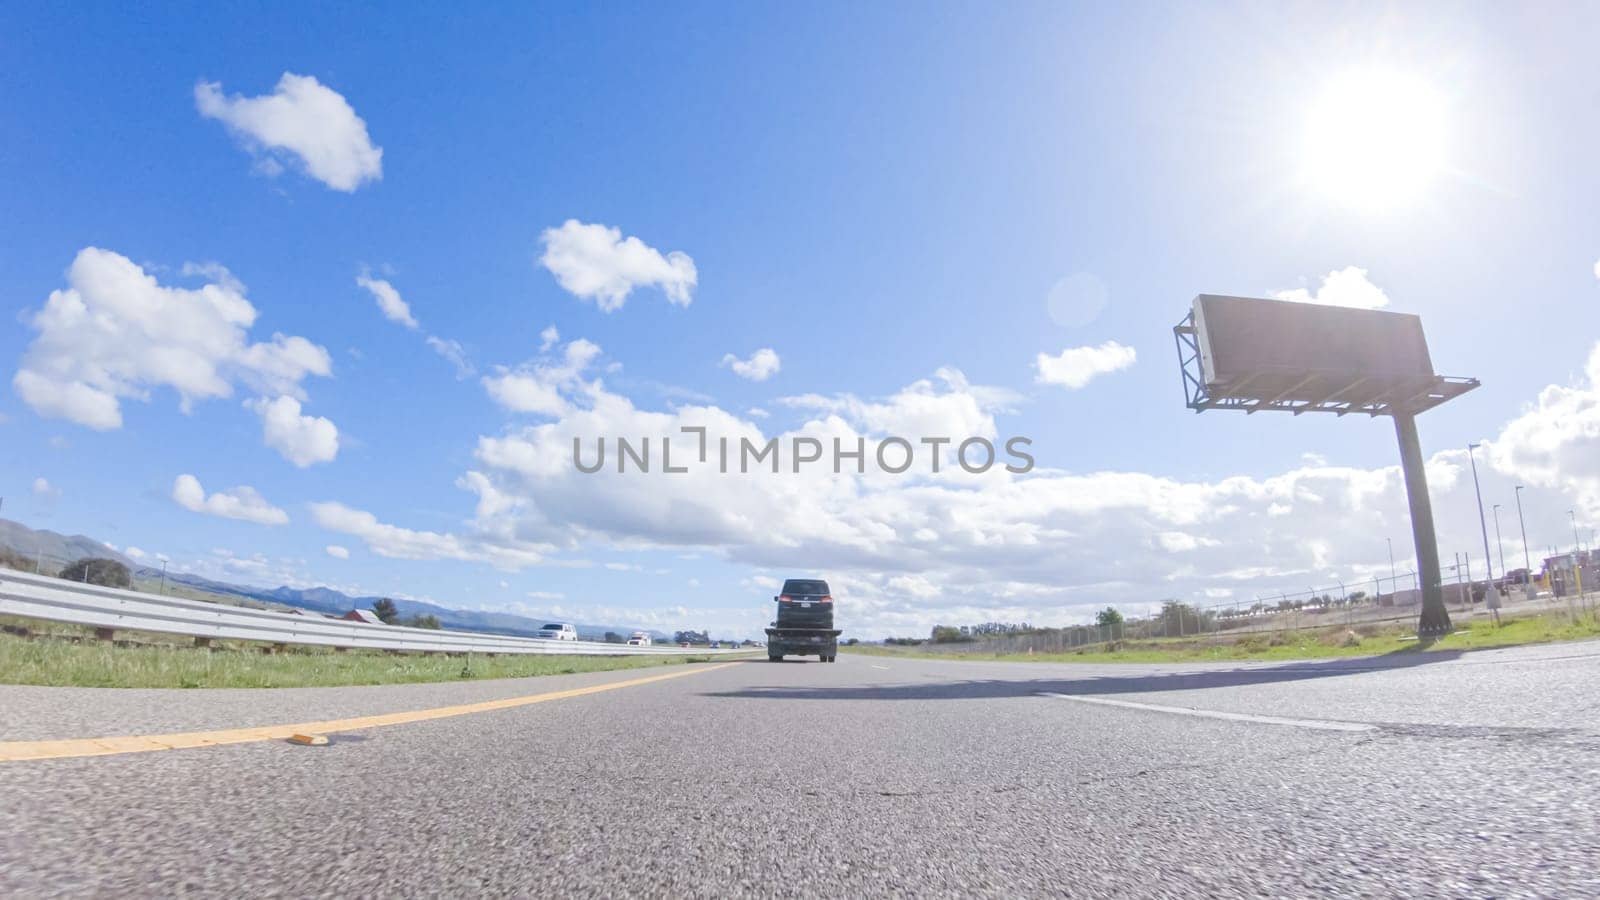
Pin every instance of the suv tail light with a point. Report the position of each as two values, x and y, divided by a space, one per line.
825 599
785 599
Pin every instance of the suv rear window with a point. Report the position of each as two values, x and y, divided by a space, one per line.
553 626
796 586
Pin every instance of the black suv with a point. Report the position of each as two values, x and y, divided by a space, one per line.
805 603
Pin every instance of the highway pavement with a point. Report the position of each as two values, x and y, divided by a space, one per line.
1423 775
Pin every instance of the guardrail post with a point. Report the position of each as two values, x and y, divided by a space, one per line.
202 642
105 634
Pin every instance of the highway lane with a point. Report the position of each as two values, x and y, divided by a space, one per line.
1479 776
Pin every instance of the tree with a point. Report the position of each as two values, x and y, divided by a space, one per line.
946 634
613 638
1108 616
95 570
420 621
11 559
385 610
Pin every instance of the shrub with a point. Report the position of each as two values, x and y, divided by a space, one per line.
95 570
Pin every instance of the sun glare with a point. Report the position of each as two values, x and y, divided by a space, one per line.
1375 139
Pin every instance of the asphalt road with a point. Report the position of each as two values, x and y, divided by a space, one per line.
1476 775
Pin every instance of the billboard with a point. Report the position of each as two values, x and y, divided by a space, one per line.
1277 351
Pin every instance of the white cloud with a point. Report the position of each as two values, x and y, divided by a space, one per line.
595 262
242 502
301 439
761 365
337 552
304 118
1597 268
395 542
1075 367
757 412
115 333
393 306
903 553
947 406
1342 287
1181 542
1555 443
454 353
546 595
134 553
44 490
537 388
395 309
548 338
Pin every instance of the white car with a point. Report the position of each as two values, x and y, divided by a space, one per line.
558 631
639 639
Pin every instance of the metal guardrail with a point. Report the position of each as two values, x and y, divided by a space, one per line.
52 599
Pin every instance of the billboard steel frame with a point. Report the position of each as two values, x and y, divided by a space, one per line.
1401 400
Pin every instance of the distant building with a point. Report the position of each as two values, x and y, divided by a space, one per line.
362 615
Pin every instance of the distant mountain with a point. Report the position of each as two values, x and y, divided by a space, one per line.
61 549
55 547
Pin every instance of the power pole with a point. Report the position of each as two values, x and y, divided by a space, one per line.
1498 542
1527 561
1482 526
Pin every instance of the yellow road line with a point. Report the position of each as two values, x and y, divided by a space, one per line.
14 751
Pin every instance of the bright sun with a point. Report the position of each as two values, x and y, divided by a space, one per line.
1375 139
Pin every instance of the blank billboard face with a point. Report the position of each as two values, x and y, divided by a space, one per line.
1277 350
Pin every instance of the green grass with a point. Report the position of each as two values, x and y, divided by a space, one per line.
1308 644
50 661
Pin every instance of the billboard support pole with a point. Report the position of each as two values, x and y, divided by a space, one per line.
1435 618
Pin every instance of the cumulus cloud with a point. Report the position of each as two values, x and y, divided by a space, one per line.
242 502
393 306
1075 367
44 490
337 552
1048 546
302 120
761 365
538 387
548 338
1342 287
115 333
395 542
134 553
595 262
301 439
906 552
1555 443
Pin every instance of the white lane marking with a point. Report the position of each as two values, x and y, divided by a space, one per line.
1318 724
880 667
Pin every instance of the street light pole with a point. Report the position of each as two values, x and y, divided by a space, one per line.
1390 542
1482 525
1527 561
1500 544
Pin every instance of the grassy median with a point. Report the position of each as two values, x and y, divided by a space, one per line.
54 661
1306 644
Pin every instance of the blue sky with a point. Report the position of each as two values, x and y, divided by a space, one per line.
873 193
